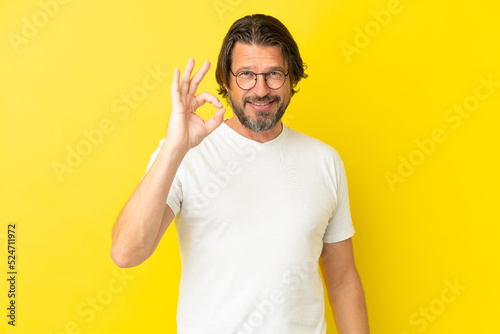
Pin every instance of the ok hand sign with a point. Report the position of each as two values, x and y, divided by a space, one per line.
186 129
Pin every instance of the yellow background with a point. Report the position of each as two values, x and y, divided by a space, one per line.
439 225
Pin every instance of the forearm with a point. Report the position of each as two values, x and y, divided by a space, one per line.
138 224
349 307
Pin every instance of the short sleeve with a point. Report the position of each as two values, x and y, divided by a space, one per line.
340 225
174 198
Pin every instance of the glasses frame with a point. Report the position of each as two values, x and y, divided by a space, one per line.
257 76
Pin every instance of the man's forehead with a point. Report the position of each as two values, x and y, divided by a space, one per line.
251 56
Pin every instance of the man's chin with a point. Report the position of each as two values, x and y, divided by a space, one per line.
259 123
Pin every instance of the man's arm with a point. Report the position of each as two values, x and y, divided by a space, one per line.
343 284
145 217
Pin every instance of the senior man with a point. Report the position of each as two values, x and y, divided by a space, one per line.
260 207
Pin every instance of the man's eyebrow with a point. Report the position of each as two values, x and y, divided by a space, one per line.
251 68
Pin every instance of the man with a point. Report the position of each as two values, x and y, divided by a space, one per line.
258 204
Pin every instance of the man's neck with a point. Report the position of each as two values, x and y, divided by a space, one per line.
260 137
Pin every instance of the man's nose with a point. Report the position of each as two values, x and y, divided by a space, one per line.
261 88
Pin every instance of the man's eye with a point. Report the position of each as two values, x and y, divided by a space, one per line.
246 74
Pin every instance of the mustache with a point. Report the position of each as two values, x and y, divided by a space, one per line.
263 99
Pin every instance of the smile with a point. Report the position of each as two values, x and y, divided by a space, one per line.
261 104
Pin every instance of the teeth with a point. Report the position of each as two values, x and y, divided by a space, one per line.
260 104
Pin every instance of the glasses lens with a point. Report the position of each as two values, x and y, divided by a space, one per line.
275 79
246 80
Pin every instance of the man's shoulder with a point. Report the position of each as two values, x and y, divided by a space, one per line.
311 144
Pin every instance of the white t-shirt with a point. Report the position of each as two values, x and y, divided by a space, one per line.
251 222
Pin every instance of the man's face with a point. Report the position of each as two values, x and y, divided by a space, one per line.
258 59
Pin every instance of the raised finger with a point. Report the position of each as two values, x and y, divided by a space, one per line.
198 77
186 77
174 91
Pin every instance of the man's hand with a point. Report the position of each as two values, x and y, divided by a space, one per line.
186 129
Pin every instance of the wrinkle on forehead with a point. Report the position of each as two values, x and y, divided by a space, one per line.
257 58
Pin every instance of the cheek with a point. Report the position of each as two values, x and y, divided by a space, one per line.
287 90
237 98
285 95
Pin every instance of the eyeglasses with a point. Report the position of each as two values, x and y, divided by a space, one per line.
247 80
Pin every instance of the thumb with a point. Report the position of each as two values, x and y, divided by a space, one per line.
214 122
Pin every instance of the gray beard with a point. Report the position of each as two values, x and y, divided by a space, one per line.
264 120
